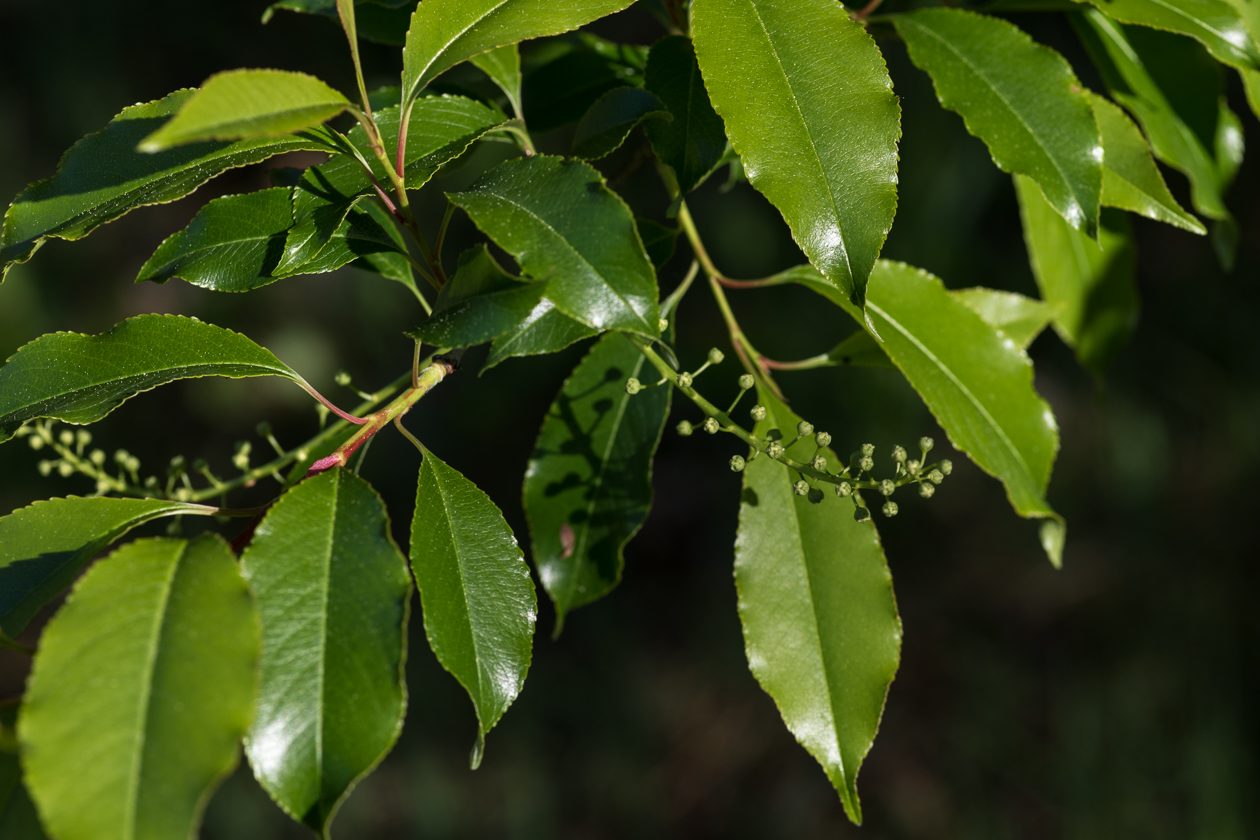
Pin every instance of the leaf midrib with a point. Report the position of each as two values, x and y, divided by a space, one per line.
322 669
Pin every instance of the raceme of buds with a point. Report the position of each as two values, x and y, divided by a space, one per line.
804 429
633 386
801 487
774 449
746 382
820 463
685 428
711 426
889 509
684 380
757 412
716 356
887 487
899 454
737 463
822 439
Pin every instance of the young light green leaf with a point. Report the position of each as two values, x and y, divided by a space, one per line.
43 547
475 589
609 121
1131 180
563 225
1021 319
81 378
821 629
86 193
975 380
333 592
588 486
503 66
480 303
1216 24
809 107
569 73
445 32
694 141
245 104
1022 99
146 679
1092 288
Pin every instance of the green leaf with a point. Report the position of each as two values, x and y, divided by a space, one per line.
588 486
142 689
609 121
1214 23
503 66
44 547
563 225
103 177
545 330
1090 284
391 264
860 350
382 21
244 104
445 32
1021 98
475 589
1131 180
658 240
809 107
693 142
1021 319
570 73
480 303
821 629
81 378
18 820
333 591
976 382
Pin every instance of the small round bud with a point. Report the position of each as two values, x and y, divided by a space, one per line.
913 467
711 426
947 466
804 429
926 490
36 443
889 509
844 489
263 429
97 457
633 386
746 382
66 438
774 449
183 494
82 437
200 464
177 464
102 486
819 463
936 476
861 514
866 464
757 413
926 444
887 487
65 469
684 380
868 449
133 464
822 439
899 454
737 463
121 456
151 482
662 325
685 428
716 356
801 487
45 468
342 378
815 496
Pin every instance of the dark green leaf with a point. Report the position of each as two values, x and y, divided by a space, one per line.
821 629
860 350
1091 288
480 303
44 547
503 66
695 140
141 691
1020 98
563 225
383 21
545 330
81 378
18 820
588 486
570 73
658 240
809 107
333 591
1214 23
1021 319
86 193
475 589
391 264
609 121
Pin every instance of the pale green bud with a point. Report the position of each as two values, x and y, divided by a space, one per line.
45 468
36 443
66 437
662 325
913 467
342 378
868 449
716 356
684 380
866 464
899 454
711 426
121 456
82 437
685 428
889 509
801 487
887 487
926 490
102 486
820 463
936 476
804 429
947 466
97 457
926 444
844 489
774 449
757 412
746 382
737 463
822 439
151 481
633 386
65 469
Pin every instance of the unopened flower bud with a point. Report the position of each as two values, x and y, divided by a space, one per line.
177 465
45 468
926 490
662 325
887 487
868 449
947 466
342 378
97 457
82 437
899 454
633 386
820 463
263 429
716 356
685 428
926 444
822 439
815 496
151 482
801 487
66 437
889 509
737 463
121 456
866 464
65 469
913 467
746 382
36 442
861 514
936 476
200 464
804 429
102 486
757 412
711 426
774 449
844 489
684 380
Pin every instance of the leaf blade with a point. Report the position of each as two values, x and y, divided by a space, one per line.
1020 318
609 121
1214 23
693 142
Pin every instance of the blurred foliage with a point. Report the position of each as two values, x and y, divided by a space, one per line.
1115 698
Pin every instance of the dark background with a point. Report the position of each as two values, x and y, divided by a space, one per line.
1115 698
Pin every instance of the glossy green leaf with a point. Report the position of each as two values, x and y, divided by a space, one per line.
693 142
609 121
809 107
475 590
503 66
382 21
1022 99
391 264
85 193
1021 319
563 225
441 129
568 74
480 303
977 382
658 240
1131 180
445 32
821 629
142 689
333 592
1214 23
588 486
1092 288
43 547
545 330
81 378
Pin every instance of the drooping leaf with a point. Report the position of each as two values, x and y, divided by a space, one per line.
382 21
545 330
43 547
1092 288
333 592
1021 98
821 629
694 141
503 66
81 378
563 225
103 177
612 117
475 589
480 303
658 240
567 74
588 486
1021 319
976 382
142 689
445 32
809 107
1216 24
